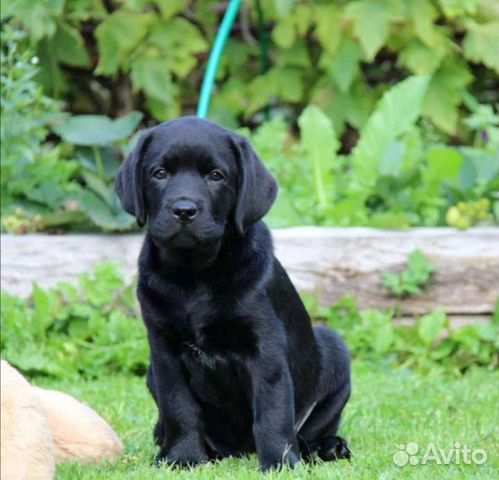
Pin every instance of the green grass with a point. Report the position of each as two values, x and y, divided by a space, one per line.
387 409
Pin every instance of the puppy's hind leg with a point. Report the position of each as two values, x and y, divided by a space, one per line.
318 434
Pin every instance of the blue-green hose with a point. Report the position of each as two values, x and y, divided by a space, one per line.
215 56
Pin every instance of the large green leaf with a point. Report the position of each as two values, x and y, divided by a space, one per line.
394 115
169 8
420 59
481 45
97 129
153 77
67 45
445 94
108 218
423 15
39 17
319 141
371 23
284 33
431 326
117 36
180 42
328 26
345 65
443 166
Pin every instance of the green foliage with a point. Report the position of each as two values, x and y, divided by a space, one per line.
393 101
47 187
412 279
92 330
429 343
30 174
340 56
392 178
97 130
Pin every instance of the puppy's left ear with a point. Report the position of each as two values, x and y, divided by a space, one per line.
257 189
129 181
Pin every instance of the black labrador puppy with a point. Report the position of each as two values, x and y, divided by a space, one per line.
236 366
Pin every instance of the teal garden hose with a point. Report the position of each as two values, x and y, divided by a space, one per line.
215 56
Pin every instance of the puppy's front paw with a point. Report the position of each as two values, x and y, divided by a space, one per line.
334 448
277 462
181 457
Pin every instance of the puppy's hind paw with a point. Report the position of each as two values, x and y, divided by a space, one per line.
334 448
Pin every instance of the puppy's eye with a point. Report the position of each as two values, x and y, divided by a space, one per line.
215 176
160 173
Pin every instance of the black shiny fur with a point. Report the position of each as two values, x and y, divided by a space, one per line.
235 361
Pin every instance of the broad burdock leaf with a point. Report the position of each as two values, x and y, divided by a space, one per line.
319 141
97 129
394 115
108 217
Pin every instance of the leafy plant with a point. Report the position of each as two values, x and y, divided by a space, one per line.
94 137
284 55
45 186
427 344
392 179
94 329
412 279
90 330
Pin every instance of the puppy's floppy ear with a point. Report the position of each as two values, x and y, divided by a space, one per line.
257 189
129 184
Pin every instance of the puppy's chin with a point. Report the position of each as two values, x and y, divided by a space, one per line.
183 240
188 246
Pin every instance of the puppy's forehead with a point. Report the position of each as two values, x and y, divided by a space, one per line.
190 138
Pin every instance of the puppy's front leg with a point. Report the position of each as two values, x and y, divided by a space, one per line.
183 442
273 412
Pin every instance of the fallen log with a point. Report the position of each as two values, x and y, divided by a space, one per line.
328 262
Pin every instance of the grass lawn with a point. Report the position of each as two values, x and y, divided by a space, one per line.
387 409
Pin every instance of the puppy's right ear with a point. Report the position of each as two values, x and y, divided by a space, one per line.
129 185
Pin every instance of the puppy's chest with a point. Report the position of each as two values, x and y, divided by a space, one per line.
212 330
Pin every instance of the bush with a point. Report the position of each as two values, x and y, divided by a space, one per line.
112 57
44 186
67 331
392 101
393 178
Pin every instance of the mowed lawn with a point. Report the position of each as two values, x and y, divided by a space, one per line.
387 409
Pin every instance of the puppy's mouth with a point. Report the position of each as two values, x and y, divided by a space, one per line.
187 237
184 239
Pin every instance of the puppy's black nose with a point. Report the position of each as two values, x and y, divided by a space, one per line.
184 210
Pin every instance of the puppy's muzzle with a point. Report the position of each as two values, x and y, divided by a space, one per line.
185 211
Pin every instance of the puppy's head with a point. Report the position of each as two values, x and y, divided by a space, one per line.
192 182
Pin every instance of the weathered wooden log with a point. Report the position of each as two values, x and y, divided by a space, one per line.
327 261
